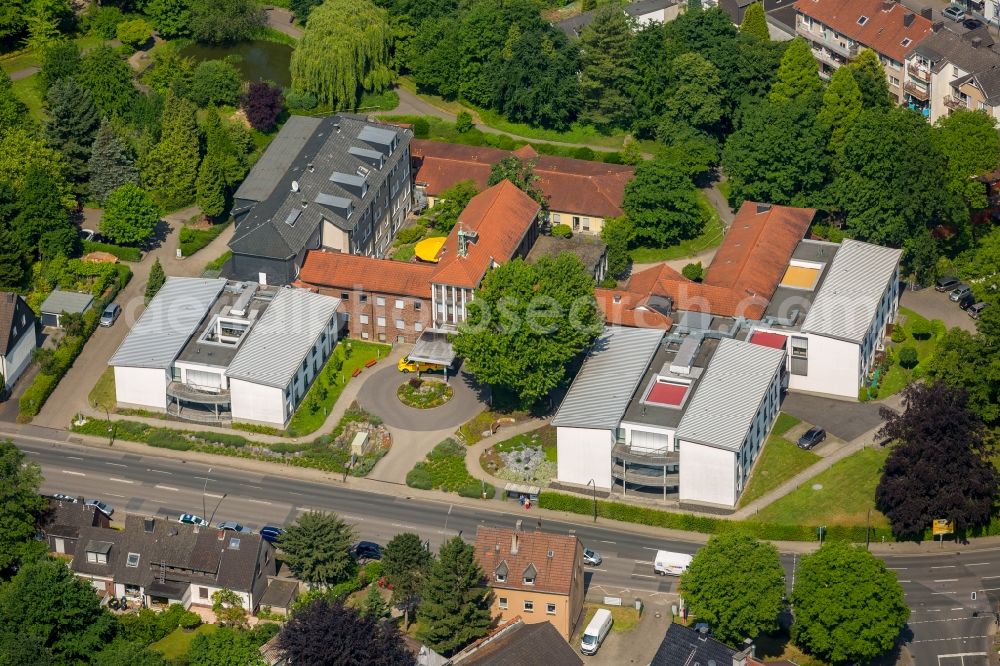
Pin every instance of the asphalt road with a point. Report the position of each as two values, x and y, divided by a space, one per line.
939 586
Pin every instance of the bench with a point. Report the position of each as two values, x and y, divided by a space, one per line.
371 363
357 371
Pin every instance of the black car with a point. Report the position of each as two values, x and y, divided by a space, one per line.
946 283
811 438
271 533
972 24
966 301
367 550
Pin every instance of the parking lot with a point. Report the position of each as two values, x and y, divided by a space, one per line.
933 304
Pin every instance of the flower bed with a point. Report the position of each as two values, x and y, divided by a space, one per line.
444 469
424 393
528 458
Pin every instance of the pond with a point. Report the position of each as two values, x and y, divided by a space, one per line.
259 59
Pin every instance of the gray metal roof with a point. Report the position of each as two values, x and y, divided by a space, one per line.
726 400
286 332
278 157
848 298
604 386
66 301
171 318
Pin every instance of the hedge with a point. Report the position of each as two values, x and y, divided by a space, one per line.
122 252
44 384
192 240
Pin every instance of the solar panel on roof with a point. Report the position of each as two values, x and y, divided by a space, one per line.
324 199
293 216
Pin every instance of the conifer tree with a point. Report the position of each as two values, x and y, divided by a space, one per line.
798 77
211 194
606 67
12 109
841 107
170 169
110 164
455 607
374 605
870 77
73 122
754 22
156 279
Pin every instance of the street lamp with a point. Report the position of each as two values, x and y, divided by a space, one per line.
203 491
212 519
594 483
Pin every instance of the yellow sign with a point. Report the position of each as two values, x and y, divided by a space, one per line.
943 526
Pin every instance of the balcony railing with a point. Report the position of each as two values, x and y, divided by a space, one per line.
632 454
920 74
191 393
828 58
953 102
644 476
917 91
845 49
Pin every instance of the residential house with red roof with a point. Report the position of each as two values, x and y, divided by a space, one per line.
580 193
837 30
535 575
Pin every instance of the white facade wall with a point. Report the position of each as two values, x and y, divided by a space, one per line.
834 367
141 387
204 377
256 403
18 358
194 593
707 474
584 454
645 436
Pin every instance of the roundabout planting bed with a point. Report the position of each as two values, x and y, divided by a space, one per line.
424 393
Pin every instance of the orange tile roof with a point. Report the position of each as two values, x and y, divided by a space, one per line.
552 574
884 31
740 280
628 311
501 216
571 186
351 271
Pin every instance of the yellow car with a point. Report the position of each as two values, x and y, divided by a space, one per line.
406 365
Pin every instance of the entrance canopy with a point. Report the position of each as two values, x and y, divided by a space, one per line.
433 347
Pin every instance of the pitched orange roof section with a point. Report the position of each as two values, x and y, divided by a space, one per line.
887 26
351 271
500 216
552 574
739 282
570 185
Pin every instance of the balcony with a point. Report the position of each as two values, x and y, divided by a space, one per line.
631 454
827 58
644 476
839 46
192 393
919 74
953 102
199 415
917 91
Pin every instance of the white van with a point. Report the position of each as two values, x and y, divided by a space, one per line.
670 564
595 632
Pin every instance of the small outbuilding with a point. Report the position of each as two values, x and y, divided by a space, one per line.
64 302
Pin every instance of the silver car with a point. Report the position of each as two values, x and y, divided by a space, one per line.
591 557
234 526
103 507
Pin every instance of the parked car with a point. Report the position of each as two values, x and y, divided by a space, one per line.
946 283
596 631
234 526
88 234
62 497
811 438
966 301
103 507
271 533
406 365
367 550
957 293
972 24
591 557
110 314
975 310
191 519
954 12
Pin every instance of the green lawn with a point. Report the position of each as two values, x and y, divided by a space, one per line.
31 58
27 91
846 496
175 645
711 236
780 461
330 384
103 393
544 437
897 378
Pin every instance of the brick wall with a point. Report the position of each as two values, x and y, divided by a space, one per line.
376 317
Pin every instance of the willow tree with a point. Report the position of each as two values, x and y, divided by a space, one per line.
343 52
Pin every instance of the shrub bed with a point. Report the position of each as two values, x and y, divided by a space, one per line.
192 240
122 252
424 394
444 469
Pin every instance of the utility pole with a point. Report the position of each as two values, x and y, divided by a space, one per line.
594 483
203 491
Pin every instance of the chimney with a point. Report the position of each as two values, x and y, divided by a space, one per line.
887 5
908 19
763 208
927 13
617 298
513 542
740 658
977 42
937 26
222 534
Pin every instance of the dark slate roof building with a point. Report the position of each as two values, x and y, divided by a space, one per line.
684 646
643 11
340 183
518 643
63 521
18 337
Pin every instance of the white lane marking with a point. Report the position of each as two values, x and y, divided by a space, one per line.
213 495
648 548
989 589
963 654
643 562
113 495
643 576
254 487
165 487
945 619
905 581
257 501
292 492
945 566
981 564
67 471
116 464
399 525
991 576
896 568
946 580
74 457
952 592
158 471
605 541
114 478
956 638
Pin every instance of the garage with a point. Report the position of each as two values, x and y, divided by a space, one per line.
64 302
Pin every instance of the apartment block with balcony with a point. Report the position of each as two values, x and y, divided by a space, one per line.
954 68
837 30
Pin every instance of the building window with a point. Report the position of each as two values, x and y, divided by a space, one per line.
381 337
363 298
862 20
416 305
529 606
418 326
501 578
529 580
203 593
503 603
400 323
97 558
133 560
556 217
380 321
364 335
399 304
363 319
893 81
800 356
586 224
983 106
379 300
344 296
550 609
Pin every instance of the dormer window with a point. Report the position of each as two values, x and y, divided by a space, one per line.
906 42
529 575
97 552
133 560
501 578
862 20
500 573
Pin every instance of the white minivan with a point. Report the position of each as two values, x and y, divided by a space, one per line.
595 632
670 564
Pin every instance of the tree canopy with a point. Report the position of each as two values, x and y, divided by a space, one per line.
109 79
130 215
21 507
737 585
755 22
450 204
318 548
969 142
661 203
798 76
343 52
72 125
110 165
330 633
939 465
455 605
527 322
170 168
848 606
215 82
841 107
606 67
870 76
225 21
522 174
404 564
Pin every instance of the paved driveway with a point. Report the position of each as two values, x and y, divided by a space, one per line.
935 305
843 419
378 395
